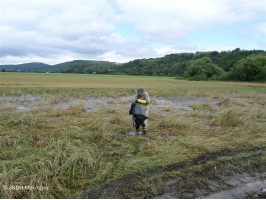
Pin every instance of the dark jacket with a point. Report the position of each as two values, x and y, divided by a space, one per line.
138 114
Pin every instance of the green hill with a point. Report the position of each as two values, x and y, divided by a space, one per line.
225 64
85 67
76 66
27 67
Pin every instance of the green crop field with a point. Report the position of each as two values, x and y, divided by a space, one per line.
67 135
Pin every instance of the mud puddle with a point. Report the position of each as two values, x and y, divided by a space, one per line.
237 186
21 107
205 125
173 104
163 105
28 101
204 184
21 103
132 133
252 189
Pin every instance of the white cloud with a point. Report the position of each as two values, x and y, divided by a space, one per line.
260 28
171 20
46 28
165 50
52 30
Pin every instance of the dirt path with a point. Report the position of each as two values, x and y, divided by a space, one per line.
213 180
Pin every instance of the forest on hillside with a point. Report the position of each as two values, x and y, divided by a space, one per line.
242 65
239 65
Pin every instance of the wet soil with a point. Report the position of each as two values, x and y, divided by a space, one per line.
222 186
163 105
132 133
251 188
203 184
27 102
214 181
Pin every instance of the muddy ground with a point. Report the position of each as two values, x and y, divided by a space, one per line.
158 104
162 105
28 101
214 181
203 177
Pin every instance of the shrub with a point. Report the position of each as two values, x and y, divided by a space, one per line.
251 68
203 69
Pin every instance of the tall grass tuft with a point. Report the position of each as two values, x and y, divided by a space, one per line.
228 118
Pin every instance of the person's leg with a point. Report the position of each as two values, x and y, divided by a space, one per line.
137 128
145 123
144 130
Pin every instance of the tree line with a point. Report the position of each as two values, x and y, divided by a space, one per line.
239 65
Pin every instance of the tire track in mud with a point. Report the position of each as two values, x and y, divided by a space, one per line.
123 187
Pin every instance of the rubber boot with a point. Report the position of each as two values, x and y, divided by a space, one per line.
137 132
144 131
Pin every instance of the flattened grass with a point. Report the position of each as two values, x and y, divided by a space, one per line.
69 150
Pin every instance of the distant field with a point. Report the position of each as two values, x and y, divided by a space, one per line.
71 135
18 83
82 80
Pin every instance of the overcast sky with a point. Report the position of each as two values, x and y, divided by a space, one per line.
55 31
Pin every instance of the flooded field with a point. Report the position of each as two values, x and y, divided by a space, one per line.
75 137
162 105
204 111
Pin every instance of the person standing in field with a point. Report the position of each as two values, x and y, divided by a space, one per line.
144 99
